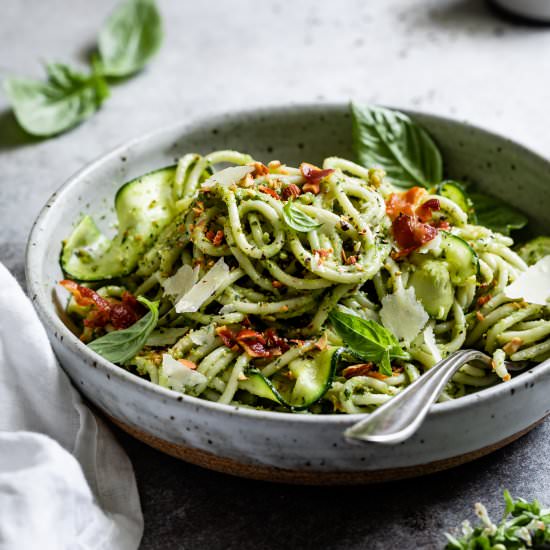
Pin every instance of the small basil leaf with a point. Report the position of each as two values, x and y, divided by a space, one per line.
392 141
368 340
67 98
130 37
298 220
120 346
496 214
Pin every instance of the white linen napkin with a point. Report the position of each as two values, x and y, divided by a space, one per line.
65 483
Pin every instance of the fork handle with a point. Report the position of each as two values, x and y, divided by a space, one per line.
402 415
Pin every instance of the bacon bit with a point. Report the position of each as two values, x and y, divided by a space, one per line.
215 238
187 363
404 203
276 284
482 300
480 316
323 253
274 164
269 191
443 224
352 260
252 342
397 370
362 369
426 209
283 309
125 313
256 344
291 191
121 314
226 334
512 346
313 176
409 218
260 169
246 322
410 233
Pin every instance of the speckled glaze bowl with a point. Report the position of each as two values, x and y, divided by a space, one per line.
287 447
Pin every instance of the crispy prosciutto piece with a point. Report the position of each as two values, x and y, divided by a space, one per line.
120 314
313 176
269 191
412 221
256 344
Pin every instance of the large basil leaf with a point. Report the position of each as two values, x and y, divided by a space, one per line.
392 141
130 37
368 340
496 214
119 346
65 99
298 220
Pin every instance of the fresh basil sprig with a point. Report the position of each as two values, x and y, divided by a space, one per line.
368 340
65 99
119 346
298 220
130 37
391 140
524 525
496 214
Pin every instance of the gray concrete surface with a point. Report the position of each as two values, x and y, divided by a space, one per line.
453 57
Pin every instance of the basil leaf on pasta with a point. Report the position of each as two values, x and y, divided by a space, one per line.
119 346
392 141
368 340
130 37
298 220
67 98
496 214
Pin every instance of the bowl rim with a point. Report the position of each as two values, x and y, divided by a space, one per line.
67 339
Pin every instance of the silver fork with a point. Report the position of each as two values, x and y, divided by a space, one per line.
402 415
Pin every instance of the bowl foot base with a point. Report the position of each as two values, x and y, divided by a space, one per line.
210 461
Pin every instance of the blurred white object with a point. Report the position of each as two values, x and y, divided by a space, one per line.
65 483
532 9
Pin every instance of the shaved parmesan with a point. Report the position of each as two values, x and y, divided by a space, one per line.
181 282
178 376
212 281
227 176
403 314
532 285
429 341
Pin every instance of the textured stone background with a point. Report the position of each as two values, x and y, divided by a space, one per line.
453 57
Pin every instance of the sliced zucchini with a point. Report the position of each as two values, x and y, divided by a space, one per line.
144 206
456 192
311 379
432 286
534 250
461 257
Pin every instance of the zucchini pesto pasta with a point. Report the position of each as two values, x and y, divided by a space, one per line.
323 289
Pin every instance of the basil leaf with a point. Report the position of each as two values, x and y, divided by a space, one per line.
130 37
298 220
496 214
368 340
65 99
121 345
392 141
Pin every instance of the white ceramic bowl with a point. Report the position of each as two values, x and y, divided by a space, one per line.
270 445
